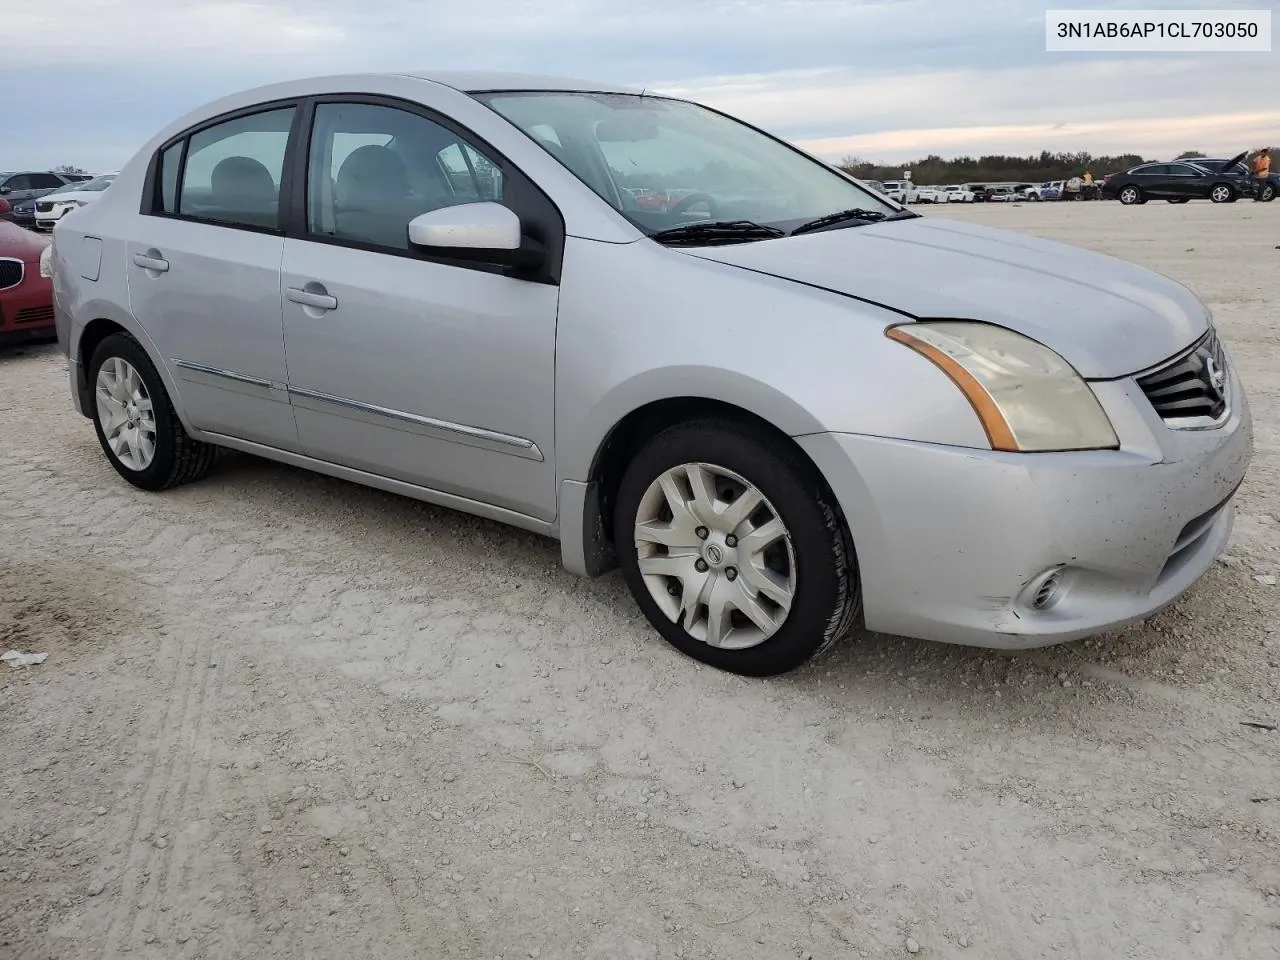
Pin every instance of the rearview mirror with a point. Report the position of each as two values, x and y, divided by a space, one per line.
485 231
626 130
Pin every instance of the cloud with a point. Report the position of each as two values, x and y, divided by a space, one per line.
1165 104
889 79
81 31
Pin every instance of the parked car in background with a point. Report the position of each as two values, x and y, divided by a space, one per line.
875 185
1240 174
1177 182
26 292
52 207
28 184
979 191
1001 193
989 456
1052 189
955 193
1028 191
930 195
903 191
24 213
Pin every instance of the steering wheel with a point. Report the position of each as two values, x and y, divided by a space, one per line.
684 203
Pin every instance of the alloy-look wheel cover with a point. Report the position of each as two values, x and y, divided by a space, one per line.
1222 194
125 413
715 556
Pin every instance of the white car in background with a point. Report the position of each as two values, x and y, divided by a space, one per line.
957 194
930 195
52 207
900 190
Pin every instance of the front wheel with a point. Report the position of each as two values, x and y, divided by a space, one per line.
1130 195
135 421
1267 194
734 548
1222 193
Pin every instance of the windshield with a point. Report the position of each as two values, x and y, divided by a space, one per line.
81 186
97 185
691 163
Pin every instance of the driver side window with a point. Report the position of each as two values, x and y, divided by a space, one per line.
372 169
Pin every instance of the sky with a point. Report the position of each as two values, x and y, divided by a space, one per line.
883 80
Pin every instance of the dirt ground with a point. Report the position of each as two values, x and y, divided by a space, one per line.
288 717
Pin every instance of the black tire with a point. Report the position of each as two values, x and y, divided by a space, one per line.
1267 194
827 595
178 459
1129 195
1222 193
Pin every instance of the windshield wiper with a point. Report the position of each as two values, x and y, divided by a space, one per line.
841 216
717 231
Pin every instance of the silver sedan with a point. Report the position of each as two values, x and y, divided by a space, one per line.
783 404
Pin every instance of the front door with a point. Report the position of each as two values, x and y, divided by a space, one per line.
436 373
204 277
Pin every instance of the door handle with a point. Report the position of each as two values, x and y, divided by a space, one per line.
157 264
311 298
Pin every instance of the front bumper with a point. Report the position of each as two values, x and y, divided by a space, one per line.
26 311
952 542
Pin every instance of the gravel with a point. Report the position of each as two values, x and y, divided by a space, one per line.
959 794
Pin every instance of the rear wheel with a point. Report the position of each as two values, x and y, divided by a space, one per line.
734 549
1130 195
1222 193
136 424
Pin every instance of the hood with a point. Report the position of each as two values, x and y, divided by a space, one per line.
1238 158
19 243
1106 317
62 196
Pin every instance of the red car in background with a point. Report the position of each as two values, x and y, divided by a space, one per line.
26 292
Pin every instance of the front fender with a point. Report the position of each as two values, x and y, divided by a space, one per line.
640 323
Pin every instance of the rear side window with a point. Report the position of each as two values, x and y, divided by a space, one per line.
233 170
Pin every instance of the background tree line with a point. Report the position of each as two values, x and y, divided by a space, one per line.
996 168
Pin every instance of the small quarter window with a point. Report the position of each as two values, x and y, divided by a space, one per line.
170 162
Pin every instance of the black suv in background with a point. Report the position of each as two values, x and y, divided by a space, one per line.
19 185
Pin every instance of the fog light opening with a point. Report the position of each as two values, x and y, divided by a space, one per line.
1047 591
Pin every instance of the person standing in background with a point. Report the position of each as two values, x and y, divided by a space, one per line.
1261 171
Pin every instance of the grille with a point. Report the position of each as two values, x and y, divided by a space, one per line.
44 207
10 273
33 315
1190 390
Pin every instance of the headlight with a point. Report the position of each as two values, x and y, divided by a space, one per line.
1027 397
46 261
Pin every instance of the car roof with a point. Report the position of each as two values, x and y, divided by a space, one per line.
482 81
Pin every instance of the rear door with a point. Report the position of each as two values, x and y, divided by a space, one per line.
204 273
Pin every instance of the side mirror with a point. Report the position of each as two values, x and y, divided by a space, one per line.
485 231
5 190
